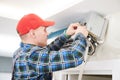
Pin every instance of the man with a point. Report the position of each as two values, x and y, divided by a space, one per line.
35 60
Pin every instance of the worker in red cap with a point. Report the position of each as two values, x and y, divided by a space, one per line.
35 60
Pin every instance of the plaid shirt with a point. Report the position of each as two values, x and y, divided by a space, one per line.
36 63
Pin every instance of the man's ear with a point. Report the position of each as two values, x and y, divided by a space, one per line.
32 33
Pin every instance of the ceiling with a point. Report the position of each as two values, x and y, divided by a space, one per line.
59 10
15 9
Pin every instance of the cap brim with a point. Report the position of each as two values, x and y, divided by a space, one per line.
48 23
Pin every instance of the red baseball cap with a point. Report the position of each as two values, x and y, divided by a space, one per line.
31 21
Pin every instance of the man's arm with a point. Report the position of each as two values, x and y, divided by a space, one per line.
58 42
49 61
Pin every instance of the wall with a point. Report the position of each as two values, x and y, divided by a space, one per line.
5 64
92 77
5 68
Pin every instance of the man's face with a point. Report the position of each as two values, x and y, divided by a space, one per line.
41 36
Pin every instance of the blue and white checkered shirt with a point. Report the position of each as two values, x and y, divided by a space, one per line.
36 63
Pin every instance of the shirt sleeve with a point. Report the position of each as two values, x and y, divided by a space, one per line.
58 42
43 61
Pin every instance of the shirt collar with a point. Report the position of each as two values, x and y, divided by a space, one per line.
25 46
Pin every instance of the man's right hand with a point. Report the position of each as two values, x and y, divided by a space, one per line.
75 28
72 29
